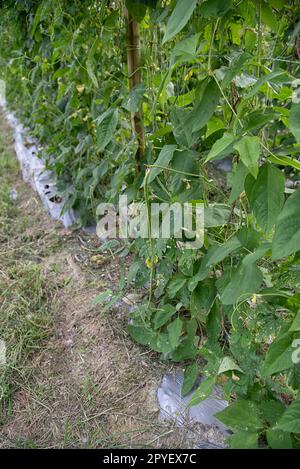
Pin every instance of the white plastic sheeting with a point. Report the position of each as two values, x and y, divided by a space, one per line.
174 407
35 173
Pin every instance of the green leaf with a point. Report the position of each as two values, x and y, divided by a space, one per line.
185 351
179 18
141 334
245 281
249 238
279 355
137 9
268 17
244 440
175 284
290 421
266 195
238 181
202 299
190 376
296 323
106 126
181 128
216 215
285 161
203 392
258 118
91 73
184 162
235 66
249 151
214 255
228 364
294 122
277 439
185 50
241 415
221 147
214 8
133 102
174 332
286 239
164 158
271 411
205 107
160 343
163 315
37 18
269 77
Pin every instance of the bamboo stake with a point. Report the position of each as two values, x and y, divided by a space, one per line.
134 76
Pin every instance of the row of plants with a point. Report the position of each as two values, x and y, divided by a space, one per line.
215 81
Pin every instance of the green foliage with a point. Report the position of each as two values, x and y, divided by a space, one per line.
220 84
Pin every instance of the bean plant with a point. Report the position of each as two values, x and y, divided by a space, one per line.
213 82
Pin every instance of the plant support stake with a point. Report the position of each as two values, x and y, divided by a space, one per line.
134 76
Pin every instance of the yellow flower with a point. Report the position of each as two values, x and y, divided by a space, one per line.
80 88
149 262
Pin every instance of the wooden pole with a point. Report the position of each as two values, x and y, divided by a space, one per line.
135 78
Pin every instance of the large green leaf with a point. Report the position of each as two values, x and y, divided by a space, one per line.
290 421
181 128
141 334
163 315
106 126
202 299
285 161
221 147
278 439
246 279
266 195
296 323
241 415
216 215
174 332
235 66
163 160
138 8
214 255
185 50
179 18
244 440
249 151
286 239
295 120
238 181
191 374
205 107
228 364
268 17
203 392
279 355
175 284
258 118
269 77
214 8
